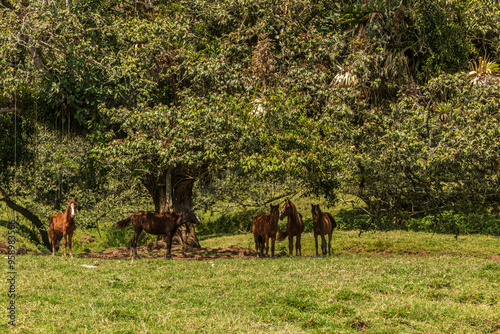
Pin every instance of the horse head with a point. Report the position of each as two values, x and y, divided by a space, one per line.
189 216
274 215
72 206
315 211
287 209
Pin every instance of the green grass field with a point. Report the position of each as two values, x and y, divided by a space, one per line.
395 282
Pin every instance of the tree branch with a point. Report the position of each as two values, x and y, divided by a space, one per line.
12 110
292 193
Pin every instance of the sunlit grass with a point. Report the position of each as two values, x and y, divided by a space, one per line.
341 294
382 282
381 243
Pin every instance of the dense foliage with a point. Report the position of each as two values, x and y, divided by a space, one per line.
385 100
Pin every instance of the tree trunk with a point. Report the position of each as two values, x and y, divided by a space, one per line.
30 216
171 191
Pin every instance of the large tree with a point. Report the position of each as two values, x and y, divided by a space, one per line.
170 94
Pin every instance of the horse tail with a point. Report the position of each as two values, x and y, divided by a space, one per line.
334 223
51 233
282 235
123 223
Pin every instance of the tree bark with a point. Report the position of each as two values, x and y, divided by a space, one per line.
172 190
30 216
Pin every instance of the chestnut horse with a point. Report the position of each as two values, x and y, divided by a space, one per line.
158 224
294 227
62 225
323 223
265 227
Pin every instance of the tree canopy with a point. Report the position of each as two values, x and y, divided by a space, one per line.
394 102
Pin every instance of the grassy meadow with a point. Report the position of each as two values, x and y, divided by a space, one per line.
394 282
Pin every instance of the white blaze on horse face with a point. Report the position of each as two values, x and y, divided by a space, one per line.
72 209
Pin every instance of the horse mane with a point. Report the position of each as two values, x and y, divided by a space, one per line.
319 212
295 214
334 223
67 213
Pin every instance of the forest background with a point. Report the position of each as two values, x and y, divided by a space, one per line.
387 109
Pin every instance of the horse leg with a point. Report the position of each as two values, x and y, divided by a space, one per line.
261 246
131 249
53 248
316 243
298 247
329 243
169 246
65 236
273 240
52 235
70 243
133 243
256 240
290 245
323 244
267 245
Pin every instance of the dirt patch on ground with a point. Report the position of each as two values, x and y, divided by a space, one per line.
86 239
495 258
153 250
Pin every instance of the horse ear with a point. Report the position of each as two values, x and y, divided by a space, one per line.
75 199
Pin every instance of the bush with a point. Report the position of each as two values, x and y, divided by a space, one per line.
231 223
458 223
352 220
447 222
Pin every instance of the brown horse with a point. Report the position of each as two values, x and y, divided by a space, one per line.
62 225
323 223
294 227
158 224
265 227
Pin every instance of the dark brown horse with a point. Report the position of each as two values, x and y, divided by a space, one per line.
62 225
158 224
323 224
265 227
294 227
